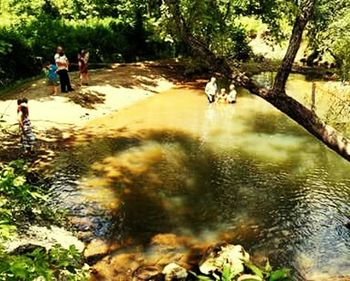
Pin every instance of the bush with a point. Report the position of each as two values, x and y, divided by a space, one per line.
108 40
22 201
17 60
39 264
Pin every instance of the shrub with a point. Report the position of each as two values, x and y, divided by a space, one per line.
39 264
17 60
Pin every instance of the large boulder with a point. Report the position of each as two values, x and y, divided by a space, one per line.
223 256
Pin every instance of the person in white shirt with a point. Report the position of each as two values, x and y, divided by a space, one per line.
210 89
62 70
231 98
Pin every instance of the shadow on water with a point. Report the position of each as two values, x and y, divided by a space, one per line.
161 180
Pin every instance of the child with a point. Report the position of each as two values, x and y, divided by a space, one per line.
52 77
22 102
221 96
231 98
19 101
27 136
83 58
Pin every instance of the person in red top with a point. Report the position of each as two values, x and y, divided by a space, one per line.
83 58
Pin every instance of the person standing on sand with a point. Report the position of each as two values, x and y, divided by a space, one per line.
62 70
22 102
27 136
83 58
210 89
52 77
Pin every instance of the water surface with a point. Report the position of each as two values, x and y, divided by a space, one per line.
243 172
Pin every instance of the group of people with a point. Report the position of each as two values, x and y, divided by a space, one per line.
27 136
214 95
58 69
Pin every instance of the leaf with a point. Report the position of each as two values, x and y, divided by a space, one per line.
19 269
200 277
280 274
227 274
249 277
37 195
268 267
19 181
254 269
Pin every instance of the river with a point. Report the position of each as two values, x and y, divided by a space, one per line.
243 172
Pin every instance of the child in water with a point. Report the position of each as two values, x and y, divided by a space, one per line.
222 96
231 98
52 77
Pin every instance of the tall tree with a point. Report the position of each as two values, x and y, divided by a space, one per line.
277 95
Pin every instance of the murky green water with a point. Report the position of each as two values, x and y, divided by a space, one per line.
245 173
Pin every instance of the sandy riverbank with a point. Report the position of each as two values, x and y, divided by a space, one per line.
57 118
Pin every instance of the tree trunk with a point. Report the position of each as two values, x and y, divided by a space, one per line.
293 47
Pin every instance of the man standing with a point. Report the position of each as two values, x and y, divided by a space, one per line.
62 70
210 89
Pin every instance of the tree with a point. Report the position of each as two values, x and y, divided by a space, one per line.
277 95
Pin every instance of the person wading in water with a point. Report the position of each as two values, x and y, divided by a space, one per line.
210 89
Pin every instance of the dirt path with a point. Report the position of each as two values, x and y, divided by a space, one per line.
55 119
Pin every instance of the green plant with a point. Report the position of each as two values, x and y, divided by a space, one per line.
252 272
55 264
21 201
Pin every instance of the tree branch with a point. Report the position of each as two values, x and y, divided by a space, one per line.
302 115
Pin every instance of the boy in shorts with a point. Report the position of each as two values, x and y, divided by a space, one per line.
52 77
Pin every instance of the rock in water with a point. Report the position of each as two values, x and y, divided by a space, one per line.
147 273
221 256
174 272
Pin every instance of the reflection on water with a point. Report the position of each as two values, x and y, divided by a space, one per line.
244 173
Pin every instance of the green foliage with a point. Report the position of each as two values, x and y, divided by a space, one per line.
20 201
13 185
227 274
252 273
336 40
329 33
17 60
112 31
55 264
